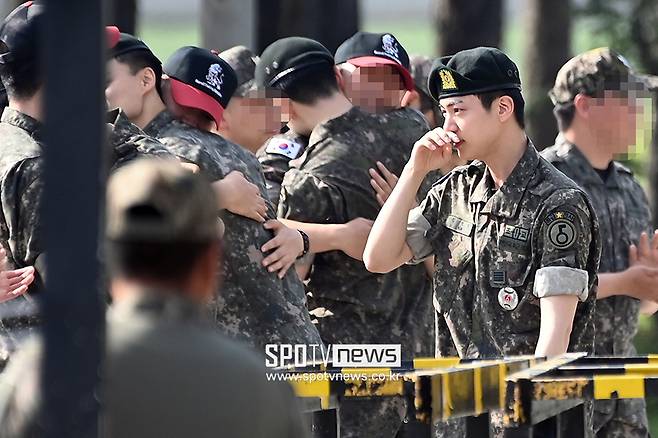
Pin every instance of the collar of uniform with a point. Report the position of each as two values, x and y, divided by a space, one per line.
576 160
163 119
165 304
327 129
22 121
505 201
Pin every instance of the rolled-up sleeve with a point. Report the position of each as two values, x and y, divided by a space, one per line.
417 227
561 280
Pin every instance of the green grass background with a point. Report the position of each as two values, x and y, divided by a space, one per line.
419 37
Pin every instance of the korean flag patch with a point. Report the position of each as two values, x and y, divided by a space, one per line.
282 146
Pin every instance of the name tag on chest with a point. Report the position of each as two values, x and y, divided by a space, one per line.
459 225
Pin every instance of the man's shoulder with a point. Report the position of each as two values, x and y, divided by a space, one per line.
549 179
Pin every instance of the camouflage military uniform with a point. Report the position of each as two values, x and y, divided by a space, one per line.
329 183
21 185
275 155
128 142
254 305
623 212
496 246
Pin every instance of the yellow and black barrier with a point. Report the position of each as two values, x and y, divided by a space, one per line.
531 392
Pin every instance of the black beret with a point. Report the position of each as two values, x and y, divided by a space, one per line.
289 55
472 71
128 43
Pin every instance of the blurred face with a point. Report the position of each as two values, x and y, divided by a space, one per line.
250 121
474 125
614 119
124 89
375 89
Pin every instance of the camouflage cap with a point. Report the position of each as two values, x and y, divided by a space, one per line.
243 62
420 70
594 71
157 200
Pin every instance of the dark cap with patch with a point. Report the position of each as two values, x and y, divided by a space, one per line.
200 79
125 43
243 61
593 72
364 49
20 34
288 56
472 71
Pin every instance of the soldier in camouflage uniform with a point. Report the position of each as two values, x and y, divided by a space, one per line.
255 305
600 84
329 184
250 118
163 271
21 165
516 243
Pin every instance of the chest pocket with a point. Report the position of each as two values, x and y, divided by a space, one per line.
452 242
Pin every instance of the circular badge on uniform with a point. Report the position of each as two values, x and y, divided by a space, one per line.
508 298
561 233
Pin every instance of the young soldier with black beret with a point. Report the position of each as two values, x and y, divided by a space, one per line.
516 243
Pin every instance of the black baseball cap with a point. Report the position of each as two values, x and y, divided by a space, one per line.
20 34
200 79
120 43
472 71
365 49
286 56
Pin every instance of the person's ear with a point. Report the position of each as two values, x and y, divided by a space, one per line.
340 79
582 104
410 99
505 108
147 79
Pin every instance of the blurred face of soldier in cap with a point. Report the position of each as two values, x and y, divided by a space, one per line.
250 120
251 117
599 98
376 88
613 117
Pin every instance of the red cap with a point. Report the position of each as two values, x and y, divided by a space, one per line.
187 95
112 34
370 61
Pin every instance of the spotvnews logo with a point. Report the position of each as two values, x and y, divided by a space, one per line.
337 355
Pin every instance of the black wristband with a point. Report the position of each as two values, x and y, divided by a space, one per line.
306 244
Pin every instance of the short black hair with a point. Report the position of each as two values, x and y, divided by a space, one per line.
310 84
136 60
564 114
161 261
516 96
22 79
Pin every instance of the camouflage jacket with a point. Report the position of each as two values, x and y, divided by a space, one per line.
21 185
623 212
128 142
329 183
497 251
253 304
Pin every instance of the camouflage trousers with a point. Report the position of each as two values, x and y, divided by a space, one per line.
621 418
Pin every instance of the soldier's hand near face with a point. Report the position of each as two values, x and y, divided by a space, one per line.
432 151
286 245
239 196
13 283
